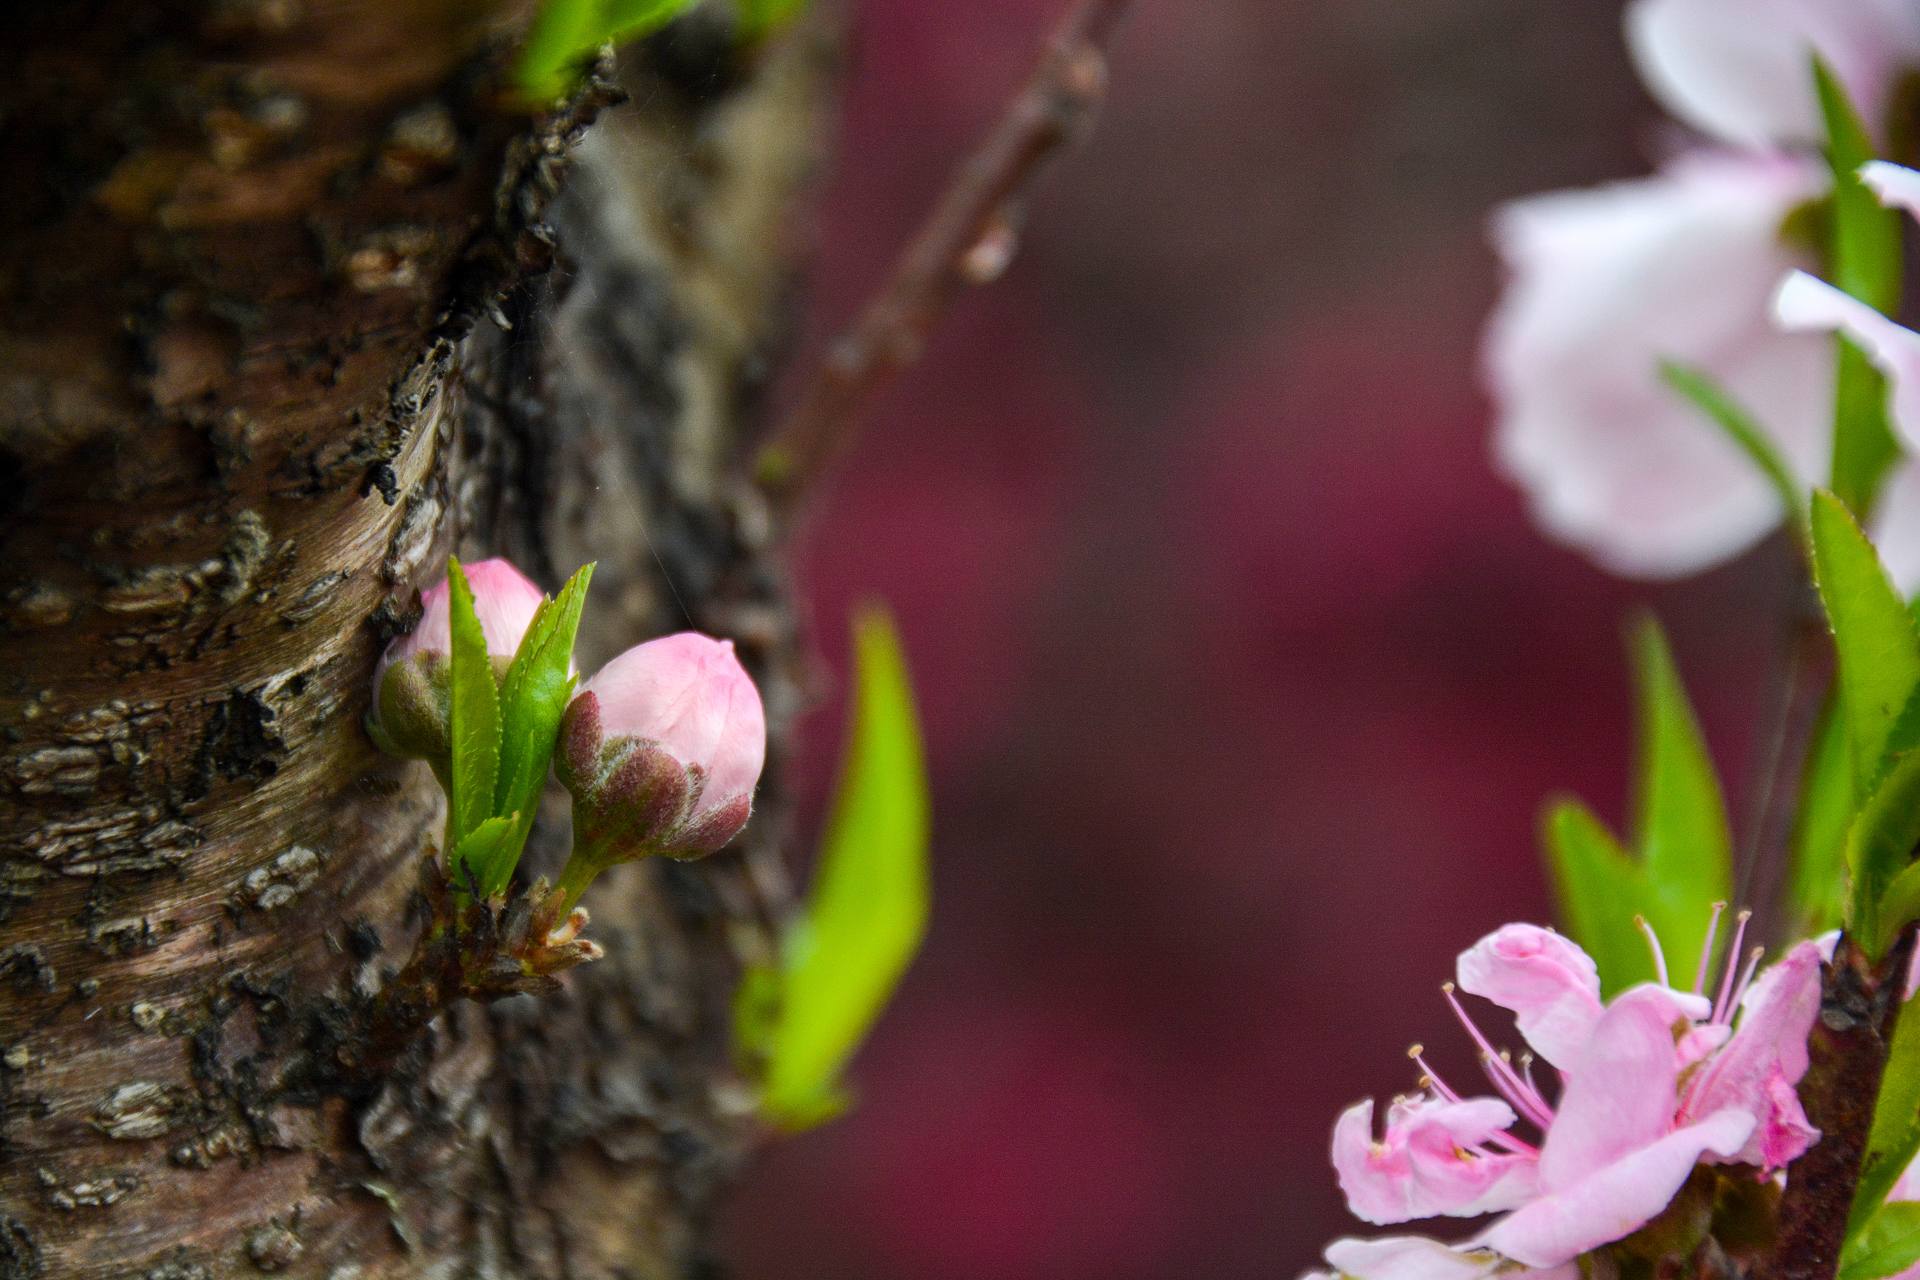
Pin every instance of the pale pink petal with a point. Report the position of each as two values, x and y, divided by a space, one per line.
1407 1258
1621 1090
1615 1200
1426 1164
1895 184
1603 285
1550 985
1896 530
1805 303
1741 70
1756 1071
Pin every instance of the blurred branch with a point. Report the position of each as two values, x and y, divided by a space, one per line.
968 239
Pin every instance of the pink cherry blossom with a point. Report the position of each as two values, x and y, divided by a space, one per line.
1549 984
1649 1087
1604 285
1740 71
1431 1161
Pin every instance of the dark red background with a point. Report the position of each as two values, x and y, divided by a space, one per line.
1244 675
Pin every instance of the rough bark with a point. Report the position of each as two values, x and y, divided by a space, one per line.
296 300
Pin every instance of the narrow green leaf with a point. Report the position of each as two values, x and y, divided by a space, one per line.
475 714
1819 874
1880 846
1684 844
483 849
1874 636
1889 1244
868 909
1895 1137
1863 260
567 34
1720 408
1600 889
533 697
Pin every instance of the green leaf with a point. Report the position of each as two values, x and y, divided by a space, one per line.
1683 839
567 34
1600 888
475 715
483 849
533 697
1730 416
1863 260
1895 1137
868 909
1819 878
758 17
1682 861
1880 848
1874 636
1889 1244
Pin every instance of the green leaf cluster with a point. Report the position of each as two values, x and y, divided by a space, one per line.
1681 861
800 1021
503 730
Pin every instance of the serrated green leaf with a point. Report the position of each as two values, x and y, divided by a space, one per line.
1685 848
482 850
1895 1137
1719 407
1819 844
867 912
1878 647
533 697
1889 1244
1600 888
474 726
567 34
1863 260
1880 847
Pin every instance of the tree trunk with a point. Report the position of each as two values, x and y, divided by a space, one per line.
296 302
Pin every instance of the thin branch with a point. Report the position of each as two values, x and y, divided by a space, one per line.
967 239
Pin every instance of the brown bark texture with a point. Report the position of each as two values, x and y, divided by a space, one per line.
297 299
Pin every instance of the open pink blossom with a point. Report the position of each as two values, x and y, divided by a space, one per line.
1650 1086
1606 284
1431 1162
1418 1258
1740 70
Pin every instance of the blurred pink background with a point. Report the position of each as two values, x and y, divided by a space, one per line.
1244 675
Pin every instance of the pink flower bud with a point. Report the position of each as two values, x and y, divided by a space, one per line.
661 750
410 683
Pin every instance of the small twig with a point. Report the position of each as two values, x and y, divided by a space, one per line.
968 239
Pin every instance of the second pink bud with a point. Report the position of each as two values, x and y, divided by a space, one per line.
661 750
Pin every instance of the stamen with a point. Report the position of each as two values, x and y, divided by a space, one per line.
1511 1086
1706 948
1653 945
1733 961
1746 978
1430 1079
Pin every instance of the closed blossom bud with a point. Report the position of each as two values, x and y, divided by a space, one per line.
410 715
661 750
